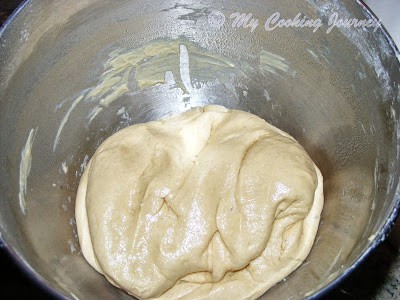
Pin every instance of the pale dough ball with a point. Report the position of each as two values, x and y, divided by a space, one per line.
209 204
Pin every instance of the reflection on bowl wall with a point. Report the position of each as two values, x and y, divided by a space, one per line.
75 72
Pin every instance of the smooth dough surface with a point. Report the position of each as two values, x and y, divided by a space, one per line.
209 204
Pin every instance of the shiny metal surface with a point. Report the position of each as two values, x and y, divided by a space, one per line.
339 97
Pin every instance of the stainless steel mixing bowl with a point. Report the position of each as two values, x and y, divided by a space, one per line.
337 93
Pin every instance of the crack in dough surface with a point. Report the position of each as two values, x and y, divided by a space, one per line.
209 204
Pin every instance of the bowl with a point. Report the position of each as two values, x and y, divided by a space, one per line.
75 72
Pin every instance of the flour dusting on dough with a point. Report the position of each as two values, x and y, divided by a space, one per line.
209 203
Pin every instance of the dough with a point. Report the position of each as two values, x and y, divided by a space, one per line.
209 204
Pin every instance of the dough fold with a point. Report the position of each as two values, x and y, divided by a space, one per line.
209 204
